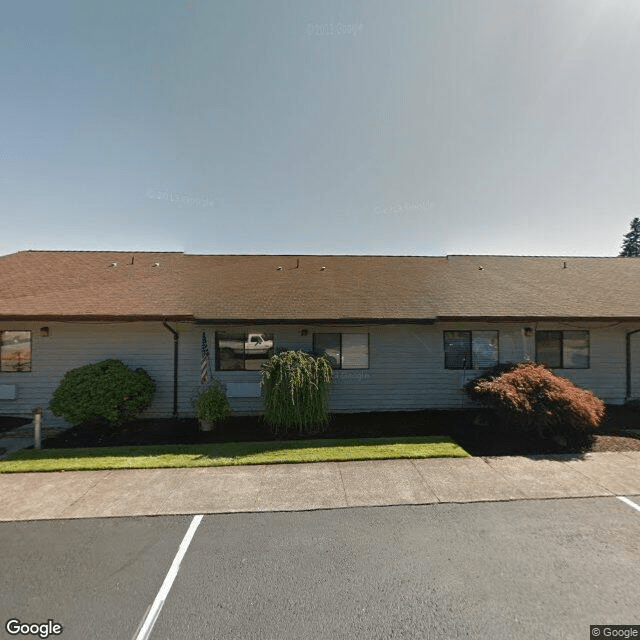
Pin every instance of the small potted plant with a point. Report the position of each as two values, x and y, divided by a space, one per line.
211 406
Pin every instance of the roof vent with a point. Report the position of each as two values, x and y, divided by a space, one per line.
480 268
114 264
156 264
280 269
322 268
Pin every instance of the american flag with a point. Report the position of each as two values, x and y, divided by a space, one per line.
204 360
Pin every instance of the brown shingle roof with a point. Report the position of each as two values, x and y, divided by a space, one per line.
349 287
41 284
84 283
526 286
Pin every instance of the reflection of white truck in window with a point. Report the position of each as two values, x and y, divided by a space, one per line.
255 344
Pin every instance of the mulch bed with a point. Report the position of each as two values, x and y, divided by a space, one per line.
10 422
479 441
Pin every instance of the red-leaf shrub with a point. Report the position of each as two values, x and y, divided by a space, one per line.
528 396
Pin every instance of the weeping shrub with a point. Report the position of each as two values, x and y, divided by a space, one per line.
529 397
295 385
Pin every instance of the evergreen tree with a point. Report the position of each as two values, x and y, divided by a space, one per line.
631 243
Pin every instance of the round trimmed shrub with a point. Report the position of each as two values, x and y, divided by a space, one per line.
107 390
295 385
529 397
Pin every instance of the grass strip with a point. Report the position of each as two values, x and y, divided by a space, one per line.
231 453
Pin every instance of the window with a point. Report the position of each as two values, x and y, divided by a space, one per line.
470 349
563 349
240 351
344 350
15 350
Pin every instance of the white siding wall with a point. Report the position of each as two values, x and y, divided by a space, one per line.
635 364
406 368
69 345
606 375
406 362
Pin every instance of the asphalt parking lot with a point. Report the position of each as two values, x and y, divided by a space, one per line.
519 569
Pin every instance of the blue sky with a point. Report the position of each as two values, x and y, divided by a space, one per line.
333 127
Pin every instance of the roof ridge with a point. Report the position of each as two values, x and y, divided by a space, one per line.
308 255
304 255
91 251
503 255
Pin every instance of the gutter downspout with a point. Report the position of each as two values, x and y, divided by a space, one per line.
628 391
175 367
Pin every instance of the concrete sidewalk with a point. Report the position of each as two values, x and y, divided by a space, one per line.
325 485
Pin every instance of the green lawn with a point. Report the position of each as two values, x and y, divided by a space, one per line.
231 453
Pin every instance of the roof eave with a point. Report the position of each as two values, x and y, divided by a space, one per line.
532 318
97 317
317 321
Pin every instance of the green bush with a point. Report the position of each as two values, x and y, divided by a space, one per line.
211 404
295 385
529 397
107 390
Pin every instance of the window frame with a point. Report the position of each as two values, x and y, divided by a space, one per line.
340 367
562 346
245 337
470 354
30 361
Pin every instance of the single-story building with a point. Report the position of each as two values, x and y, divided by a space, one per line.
403 332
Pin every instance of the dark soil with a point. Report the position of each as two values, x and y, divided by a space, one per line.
459 425
9 422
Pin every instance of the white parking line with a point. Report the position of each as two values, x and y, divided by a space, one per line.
629 502
156 607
